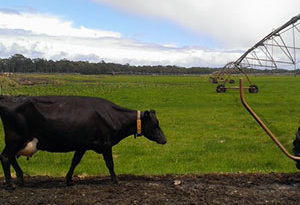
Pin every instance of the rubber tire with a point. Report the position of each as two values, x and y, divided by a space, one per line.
253 89
221 89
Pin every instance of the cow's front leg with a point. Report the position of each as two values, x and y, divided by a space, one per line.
75 161
107 155
6 169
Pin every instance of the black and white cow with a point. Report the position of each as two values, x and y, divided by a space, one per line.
68 123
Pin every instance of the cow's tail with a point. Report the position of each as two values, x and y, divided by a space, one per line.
296 148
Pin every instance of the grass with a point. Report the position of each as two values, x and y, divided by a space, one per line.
206 131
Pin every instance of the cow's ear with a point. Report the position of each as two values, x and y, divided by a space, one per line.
152 111
146 114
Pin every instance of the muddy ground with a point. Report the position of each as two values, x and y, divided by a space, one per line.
170 189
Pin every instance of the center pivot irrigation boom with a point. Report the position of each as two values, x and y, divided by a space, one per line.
280 49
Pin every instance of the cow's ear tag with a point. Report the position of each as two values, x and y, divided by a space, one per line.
139 126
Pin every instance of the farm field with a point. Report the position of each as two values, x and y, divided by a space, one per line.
207 132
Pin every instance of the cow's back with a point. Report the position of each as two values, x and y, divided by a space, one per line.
76 121
65 123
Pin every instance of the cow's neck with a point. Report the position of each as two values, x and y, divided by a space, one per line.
128 126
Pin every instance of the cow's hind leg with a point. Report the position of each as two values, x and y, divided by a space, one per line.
5 161
19 172
75 161
107 155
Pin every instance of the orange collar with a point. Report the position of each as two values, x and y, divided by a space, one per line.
138 124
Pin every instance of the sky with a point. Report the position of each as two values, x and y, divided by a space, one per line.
184 33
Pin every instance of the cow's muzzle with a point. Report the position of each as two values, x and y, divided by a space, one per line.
162 140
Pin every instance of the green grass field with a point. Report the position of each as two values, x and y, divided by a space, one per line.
206 131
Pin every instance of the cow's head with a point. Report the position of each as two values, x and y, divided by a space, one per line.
151 129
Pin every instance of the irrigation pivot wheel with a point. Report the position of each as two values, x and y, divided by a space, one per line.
221 89
253 89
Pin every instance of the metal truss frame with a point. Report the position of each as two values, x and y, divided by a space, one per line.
277 50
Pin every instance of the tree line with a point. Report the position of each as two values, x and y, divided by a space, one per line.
21 64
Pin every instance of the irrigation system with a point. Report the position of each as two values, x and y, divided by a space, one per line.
263 125
280 49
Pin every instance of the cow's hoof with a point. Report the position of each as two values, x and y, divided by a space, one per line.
69 183
20 182
115 182
10 187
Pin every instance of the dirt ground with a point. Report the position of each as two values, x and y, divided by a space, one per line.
170 189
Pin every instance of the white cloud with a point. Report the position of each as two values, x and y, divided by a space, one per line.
108 49
50 37
48 25
232 23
